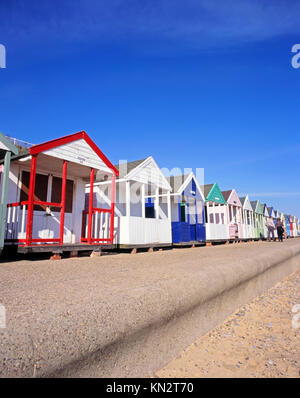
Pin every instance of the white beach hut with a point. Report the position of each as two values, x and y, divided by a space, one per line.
142 206
46 194
247 218
266 217
234 214
295 227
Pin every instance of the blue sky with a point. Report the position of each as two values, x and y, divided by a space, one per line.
195 83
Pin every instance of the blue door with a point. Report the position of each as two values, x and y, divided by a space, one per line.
288 227
200 233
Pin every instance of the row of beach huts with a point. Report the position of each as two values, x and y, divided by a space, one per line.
65 195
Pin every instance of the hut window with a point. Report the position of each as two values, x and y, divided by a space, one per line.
182 212
149 210
40 190
211 219
56 194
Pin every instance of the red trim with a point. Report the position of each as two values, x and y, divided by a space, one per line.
63 203
17 204
91 199
31 201
45 240
112 207
37 202
70 138
100 153
95 240
97 209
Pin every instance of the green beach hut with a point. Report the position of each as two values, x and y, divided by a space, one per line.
216 222
258 219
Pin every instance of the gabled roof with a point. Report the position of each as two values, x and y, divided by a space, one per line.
206 189
243 200
77 148
212 193
246 204
126 167
265 209
226 194
6 145
144 171
232 198
179 183
271 212
256 206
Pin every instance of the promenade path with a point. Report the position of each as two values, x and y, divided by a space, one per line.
61 312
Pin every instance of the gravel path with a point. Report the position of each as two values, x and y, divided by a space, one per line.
259 340
58 310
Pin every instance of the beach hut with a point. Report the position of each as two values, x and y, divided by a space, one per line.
295 227
46 195
277 215
187 210
258 219
287 225
234 214
248 218
272 214
216 223
291 226
266 217
7 149
283 219
142 205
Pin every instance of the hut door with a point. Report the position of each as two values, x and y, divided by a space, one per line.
40 194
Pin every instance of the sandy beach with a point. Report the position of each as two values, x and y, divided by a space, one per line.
258 340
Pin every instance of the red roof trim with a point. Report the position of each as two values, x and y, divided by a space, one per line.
46 146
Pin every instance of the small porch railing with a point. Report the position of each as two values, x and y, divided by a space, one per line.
16 223
100 230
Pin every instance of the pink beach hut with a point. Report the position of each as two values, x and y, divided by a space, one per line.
234 214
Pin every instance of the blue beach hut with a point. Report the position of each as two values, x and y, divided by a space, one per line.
187 210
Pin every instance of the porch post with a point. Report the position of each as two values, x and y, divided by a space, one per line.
91 199
127 198
156 203
31 200
112 208
143 201
207 213
214 212
169 205
3 208
63 203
